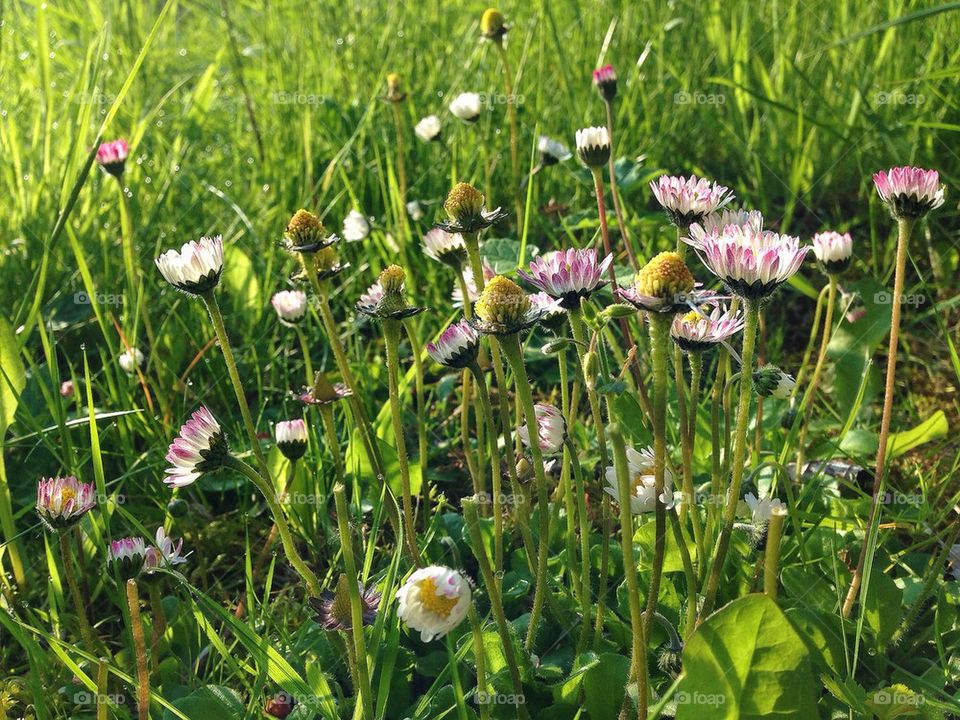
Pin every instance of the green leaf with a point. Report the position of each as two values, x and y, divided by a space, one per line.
882 607
242 281
211 701
503 254
747 661
604 685
932 428
12 376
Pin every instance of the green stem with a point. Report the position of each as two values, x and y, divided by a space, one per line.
602 213
614 192
305 351
659 349
514 136
475 461
159 616
579 332
417 351
581 492
483 397
459 699
86 631
688 434
811 341
688 571
479 659
140 651
401 172
806 407
772 554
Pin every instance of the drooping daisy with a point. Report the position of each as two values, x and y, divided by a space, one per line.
644 497
568 275
356 227
164 553
334 611
127 555
551 429
552 151
457 346
63 501
130 359
771 381
909 192
291 437
196 268
689 200
112 156
467 107
428 129
291 306
200 447
833 250
696 331
448 248
593 146
434 600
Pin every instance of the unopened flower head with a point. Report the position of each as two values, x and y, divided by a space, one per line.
291 306
503 308
468 214
356 227
434 600
568 275
395 91
467 107
552 313
291 436
196 268
128 556
493 26
909 192
130 359
593 146
112 156
551 429
323 392
605 80
697 331
63 501
771 381
165 553
552 151
833 250
428 129
200 447
334 611
752 263
663 285
689 200
643 499
306 234
385 299
457 346
449 248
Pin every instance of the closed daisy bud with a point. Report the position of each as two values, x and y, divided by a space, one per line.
448 248
467 107
66 389
130 359
291 436
909 192
833 250
196 268
428 129
127 556
643 499
333 608
457 346
493 26
593 146
434 600
305 233
63 501
356 227
395 91
503 308
605 80
551 429
200 447
771 381
112 157
291 306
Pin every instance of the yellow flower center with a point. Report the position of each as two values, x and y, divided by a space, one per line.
305 227
67 494
463 202
433 601
325 260
391 279
394 87
691 317
502 301
665 276
492 22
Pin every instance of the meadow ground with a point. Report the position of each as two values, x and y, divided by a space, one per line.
236 115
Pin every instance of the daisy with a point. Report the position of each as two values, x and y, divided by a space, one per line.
434 600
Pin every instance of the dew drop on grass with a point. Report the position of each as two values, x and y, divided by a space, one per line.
148 180
228 183
23 56
183 52
265 188
249 161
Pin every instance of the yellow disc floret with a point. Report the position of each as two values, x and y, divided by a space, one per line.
666 276
492 24
394 88
464 202
391 279
502 302
305 228
433 601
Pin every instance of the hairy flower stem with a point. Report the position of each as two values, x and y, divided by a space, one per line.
391 334
751 319
602 213
356 609
514 136
286 538
809 398
496 603
638 658
474 461
417 350
479 659
140 651
401 172
459 699
614 192
569 501
772 554
579 331
688 572
811 341
305 351
581 492
688 433
510 344
659 349
905 229
159 616
86 631
483 398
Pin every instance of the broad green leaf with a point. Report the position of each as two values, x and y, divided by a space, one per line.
932 428
503 254
882 609
241 280
12 376
604 685
211 701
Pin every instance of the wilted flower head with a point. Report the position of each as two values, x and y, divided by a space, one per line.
395 91
503 308
568 275
356 227
467 107
689 200
663 285
130 359
200 447
605 80
752 263
552 151
414 210
323 392
772 381
467 212
334 611
291 306
62 501
551 429
305 233
291 436
909 192
833 250
457 346
164 553
552 314
448 248
434 600
428 129
593 146
696 331
493 26
112 156
196 268
641 467
127 555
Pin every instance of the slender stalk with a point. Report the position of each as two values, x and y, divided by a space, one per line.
496 603
286 538
332 441
581 492
86 631
811 341
417 352
483 397
510 344
140 650
459 699
806 407
751 318
614 192
689 574
772 554
604 571
579 332
474 460
638 659
356 609
391 334
905 228
102 666
479 659
305 351
401 172
602 213
156 609
514 136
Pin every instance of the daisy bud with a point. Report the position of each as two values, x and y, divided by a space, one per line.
291 436
551 151
617 311
524 470
771 381
464 203
551 429
833 250
503 303
130 359
333 608
434 600
112 157
66 389
196 268
493 25
200 447
446 247
305 233
593 146
395 91
127 555
605 80
457 346
428 129
356 227
178 507
590 362
291 306
467 107
63 501
909 192
556 346
666 277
